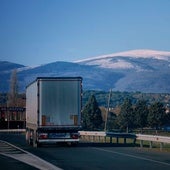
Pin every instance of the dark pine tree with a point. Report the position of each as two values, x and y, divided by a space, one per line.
91 115
141 113
156 116
126 116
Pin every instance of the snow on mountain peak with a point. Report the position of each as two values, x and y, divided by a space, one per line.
165 55
144 53
120 60
107 63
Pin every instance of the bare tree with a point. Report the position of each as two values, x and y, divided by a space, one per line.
13 91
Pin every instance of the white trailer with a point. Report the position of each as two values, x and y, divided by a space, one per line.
53 110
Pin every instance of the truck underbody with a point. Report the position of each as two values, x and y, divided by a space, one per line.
48 135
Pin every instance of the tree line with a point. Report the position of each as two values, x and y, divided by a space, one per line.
118 97
131 116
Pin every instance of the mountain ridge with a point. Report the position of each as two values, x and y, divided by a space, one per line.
138 53
119 73
134 59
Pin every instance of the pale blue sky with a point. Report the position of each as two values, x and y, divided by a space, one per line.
34 32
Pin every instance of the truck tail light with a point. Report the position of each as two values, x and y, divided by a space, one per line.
43 136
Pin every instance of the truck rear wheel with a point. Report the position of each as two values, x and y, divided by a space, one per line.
39 144
26 136
29 140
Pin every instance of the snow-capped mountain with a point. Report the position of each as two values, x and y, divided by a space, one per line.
136 70
163 55
124 60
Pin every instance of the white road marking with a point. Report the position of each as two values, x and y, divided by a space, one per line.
133 156
12 151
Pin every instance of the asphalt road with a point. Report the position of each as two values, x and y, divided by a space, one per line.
9 164
94 156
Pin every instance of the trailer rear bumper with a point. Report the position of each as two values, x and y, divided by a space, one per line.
57 140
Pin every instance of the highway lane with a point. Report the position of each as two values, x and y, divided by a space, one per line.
90 157
96 157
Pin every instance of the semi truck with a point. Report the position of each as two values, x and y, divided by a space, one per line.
53 110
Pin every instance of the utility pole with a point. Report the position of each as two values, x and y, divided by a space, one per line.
107 112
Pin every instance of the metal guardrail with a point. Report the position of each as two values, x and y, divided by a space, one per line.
107 134
100 136
121 135
12 130
153 138
150 138
92 133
